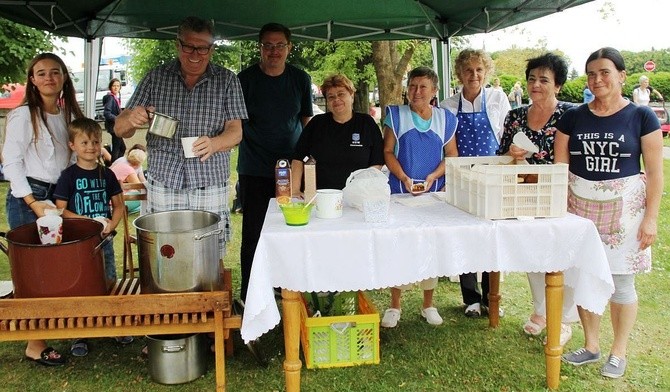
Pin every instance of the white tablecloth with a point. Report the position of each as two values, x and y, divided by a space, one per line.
429 239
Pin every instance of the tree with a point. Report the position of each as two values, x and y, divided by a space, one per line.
18 45
356 59
149 53
573 74
635 60
512 61
350 58
390 66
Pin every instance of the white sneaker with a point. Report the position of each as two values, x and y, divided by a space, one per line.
474 310
391 317
431 316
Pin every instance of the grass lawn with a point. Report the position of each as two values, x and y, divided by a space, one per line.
461 355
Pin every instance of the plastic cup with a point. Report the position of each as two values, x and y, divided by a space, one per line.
50 229
328 203
376 211
187 144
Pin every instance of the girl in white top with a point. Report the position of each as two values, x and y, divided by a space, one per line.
35 152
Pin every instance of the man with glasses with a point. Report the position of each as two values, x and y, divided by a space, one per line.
279 102
208 102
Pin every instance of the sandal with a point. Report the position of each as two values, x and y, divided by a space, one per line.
79 348
566 335
533 328
49 357
124 340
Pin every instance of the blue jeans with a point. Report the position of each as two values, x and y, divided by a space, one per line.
18 212
110 265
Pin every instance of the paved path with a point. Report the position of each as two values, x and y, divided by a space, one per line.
666 152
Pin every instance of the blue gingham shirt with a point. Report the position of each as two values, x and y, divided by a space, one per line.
215 98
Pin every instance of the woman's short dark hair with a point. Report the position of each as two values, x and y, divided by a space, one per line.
608 53
274 28
552 62
426 72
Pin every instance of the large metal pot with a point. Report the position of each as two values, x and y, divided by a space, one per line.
72 268
176 359
179 251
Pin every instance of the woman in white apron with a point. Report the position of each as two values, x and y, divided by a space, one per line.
603 142
481 114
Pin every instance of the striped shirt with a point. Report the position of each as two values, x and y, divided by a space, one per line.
202 111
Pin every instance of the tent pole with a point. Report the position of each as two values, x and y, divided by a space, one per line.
92 51
442 66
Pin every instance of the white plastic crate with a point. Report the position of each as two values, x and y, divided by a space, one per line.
487 187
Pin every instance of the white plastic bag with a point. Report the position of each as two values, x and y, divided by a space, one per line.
366 185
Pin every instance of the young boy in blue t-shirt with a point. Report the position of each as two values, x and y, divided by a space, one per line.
88 189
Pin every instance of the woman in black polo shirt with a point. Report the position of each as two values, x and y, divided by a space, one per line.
341 141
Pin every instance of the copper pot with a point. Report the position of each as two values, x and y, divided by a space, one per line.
72 268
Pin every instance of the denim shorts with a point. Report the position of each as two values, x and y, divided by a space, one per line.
18 212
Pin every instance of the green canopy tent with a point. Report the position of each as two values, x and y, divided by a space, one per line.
340 20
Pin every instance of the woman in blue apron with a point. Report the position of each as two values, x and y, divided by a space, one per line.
417 137
481 114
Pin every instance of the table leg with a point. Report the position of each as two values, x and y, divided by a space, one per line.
291 304
494 299
553 348
219 352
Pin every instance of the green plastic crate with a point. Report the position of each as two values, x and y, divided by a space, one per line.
341 341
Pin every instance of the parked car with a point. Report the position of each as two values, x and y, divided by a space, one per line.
663 117
11 95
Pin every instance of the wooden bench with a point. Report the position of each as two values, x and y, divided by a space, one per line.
123 313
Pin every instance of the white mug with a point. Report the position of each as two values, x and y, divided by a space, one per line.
328 203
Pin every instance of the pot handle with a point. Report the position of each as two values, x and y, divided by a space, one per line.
172 349
105 240
198 237
3 247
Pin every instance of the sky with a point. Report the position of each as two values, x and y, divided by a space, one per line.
634 25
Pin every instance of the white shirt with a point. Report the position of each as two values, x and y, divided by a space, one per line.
497 107
641 97
22 158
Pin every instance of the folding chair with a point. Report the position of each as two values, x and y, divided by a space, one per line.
131 192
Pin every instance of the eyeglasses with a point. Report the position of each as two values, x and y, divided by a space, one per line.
188 49
340 95
271 47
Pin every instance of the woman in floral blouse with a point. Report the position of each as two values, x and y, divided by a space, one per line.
545 76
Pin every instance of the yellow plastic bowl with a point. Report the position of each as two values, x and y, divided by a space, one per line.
296 214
